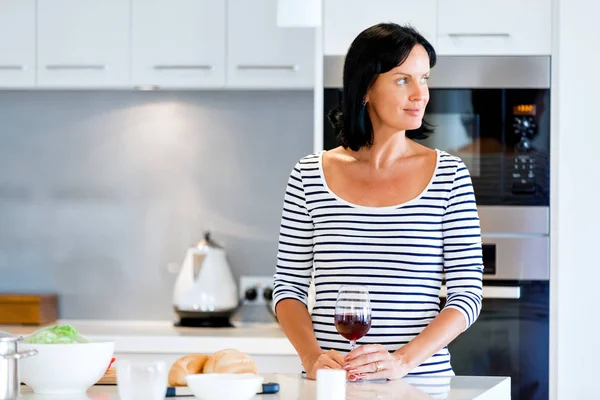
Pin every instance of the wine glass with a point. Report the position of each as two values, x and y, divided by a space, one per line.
353 313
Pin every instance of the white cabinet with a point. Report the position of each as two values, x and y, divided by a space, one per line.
262 55
17 43
178 43
345 19
494 27
83 43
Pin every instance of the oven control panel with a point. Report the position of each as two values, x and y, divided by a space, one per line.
524 166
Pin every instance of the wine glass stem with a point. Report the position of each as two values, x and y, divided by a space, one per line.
352 344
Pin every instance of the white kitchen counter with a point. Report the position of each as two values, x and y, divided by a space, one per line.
162 337
294 387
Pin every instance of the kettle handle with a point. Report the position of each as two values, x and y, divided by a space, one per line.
16 356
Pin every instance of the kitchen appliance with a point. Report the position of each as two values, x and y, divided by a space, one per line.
205 292
9 368
511 335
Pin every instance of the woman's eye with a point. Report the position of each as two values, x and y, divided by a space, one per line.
401 81
424 79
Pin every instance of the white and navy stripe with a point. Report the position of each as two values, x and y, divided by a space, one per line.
401 253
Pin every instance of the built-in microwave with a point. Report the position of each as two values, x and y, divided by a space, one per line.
493 112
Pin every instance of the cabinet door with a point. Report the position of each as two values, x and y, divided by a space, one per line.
495 27
17 43
83 43
178 43
262 55
345 19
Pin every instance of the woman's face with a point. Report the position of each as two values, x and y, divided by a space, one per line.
397 98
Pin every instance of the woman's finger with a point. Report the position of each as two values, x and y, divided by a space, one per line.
329 362
337 357
364 349
366 359
372 371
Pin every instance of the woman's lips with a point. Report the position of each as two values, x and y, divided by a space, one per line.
414 112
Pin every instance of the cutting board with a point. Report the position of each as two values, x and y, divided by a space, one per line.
109 378
28 309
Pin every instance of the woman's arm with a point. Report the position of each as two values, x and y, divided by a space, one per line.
293 275
463 267
297 326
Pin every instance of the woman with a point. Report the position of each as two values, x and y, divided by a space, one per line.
384 212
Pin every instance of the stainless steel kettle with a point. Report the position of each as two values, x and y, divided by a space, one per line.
205 287
10 383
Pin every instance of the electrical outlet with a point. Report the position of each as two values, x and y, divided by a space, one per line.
259 283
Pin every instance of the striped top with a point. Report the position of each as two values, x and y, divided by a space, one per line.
401 253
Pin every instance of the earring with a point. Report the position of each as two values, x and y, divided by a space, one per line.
364 103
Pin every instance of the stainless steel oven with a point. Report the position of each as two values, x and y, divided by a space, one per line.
494 112
511 336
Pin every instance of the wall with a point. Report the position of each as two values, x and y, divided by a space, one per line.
100 191
575 269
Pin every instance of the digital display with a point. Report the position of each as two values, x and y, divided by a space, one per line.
524 109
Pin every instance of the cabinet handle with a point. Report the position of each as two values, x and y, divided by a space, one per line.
292 67
75 66
184 67
482 34
12 67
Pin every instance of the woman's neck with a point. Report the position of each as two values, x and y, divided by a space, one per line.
388 146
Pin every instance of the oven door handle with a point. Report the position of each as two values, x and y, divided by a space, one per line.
493 292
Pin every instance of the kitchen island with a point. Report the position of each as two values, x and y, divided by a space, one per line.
294 387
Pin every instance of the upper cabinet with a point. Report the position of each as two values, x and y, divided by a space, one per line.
234 44
178 43
17 43
262 55
345 19
83 43
494 27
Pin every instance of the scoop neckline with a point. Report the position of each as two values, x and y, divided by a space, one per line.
382 208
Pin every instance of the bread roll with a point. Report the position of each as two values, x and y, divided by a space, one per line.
186 365
230 361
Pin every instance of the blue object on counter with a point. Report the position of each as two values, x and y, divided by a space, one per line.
267 388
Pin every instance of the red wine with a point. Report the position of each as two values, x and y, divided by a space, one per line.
352 326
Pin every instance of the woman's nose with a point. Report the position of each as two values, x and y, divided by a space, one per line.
418 93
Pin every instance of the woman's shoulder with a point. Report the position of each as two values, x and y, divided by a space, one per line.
312 158
449 160
306 164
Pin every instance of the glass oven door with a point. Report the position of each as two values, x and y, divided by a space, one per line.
510 338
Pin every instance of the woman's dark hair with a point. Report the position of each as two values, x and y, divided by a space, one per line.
376 50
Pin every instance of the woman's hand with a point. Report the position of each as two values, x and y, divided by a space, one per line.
373 361
329 360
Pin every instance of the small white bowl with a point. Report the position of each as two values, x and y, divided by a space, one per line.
225 386
65 368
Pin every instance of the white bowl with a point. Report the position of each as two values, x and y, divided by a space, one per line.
65 368
225 386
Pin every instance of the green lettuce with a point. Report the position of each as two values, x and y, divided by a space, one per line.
57 334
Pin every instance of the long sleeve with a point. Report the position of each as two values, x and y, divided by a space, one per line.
295 252
463 260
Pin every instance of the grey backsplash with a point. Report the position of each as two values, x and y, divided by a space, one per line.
101 190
